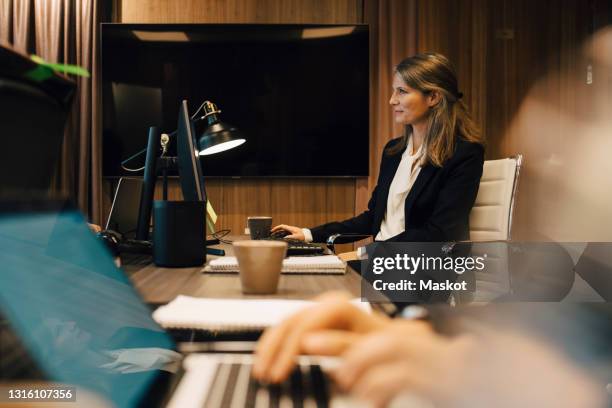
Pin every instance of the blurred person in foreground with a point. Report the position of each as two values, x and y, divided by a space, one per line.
507 355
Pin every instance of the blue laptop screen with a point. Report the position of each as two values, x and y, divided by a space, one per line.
75 312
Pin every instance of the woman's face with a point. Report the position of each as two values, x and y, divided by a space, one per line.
409 105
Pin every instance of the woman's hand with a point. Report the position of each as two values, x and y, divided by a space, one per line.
326 328
294 232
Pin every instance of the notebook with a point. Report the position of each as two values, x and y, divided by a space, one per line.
326 264
229 315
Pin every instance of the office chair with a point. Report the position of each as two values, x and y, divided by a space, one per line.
491 216
491 224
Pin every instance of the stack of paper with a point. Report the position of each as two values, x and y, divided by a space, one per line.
230 314
326 264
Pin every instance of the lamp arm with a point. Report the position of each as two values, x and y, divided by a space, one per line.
209 109
198 110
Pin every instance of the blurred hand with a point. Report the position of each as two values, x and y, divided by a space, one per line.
294 232
403 356
94 228
383 358
497 367
326 328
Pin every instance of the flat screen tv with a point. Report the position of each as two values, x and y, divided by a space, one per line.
299 93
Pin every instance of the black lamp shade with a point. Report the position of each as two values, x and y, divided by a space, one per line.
219 137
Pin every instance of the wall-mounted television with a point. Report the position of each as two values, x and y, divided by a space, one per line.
299 93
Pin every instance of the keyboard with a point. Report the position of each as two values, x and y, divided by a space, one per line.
134 246
294 247
301 248
232 385
215 380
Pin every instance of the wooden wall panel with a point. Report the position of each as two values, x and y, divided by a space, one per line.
476 88
543 86
241 11
517 59
240 199
460 31
303 202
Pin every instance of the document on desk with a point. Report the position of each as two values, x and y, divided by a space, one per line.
326 264
230 315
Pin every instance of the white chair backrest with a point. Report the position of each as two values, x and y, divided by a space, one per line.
491 216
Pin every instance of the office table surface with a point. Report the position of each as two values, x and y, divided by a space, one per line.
160 285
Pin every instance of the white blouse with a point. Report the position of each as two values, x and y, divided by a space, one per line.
405 176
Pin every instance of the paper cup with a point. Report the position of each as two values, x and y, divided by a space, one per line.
260 264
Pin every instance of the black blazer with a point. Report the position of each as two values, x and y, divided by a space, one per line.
437 207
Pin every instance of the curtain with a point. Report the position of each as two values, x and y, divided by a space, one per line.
393 37
66 31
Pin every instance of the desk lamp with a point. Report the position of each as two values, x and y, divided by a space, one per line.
216 137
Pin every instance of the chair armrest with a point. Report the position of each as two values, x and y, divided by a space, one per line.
344 239
449 247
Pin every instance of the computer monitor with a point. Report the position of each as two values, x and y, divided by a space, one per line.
190 172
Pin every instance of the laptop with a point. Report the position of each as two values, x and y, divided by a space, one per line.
123 215
82 323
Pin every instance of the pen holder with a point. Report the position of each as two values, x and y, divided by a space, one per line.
179 235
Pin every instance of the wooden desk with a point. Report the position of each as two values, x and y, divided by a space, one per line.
161 285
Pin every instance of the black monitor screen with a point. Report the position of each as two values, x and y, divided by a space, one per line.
191 175
299 93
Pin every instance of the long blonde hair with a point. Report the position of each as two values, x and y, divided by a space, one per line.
449 118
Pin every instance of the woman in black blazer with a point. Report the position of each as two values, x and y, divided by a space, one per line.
428 177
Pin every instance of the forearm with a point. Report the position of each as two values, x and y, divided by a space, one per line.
361 224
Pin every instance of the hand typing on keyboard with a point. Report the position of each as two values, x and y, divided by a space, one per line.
334 317
505 365
287 232
297 247
381 356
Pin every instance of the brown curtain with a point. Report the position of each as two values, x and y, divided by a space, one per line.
393 37
66 31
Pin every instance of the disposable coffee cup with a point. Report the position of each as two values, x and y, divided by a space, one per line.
259 227
260 263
